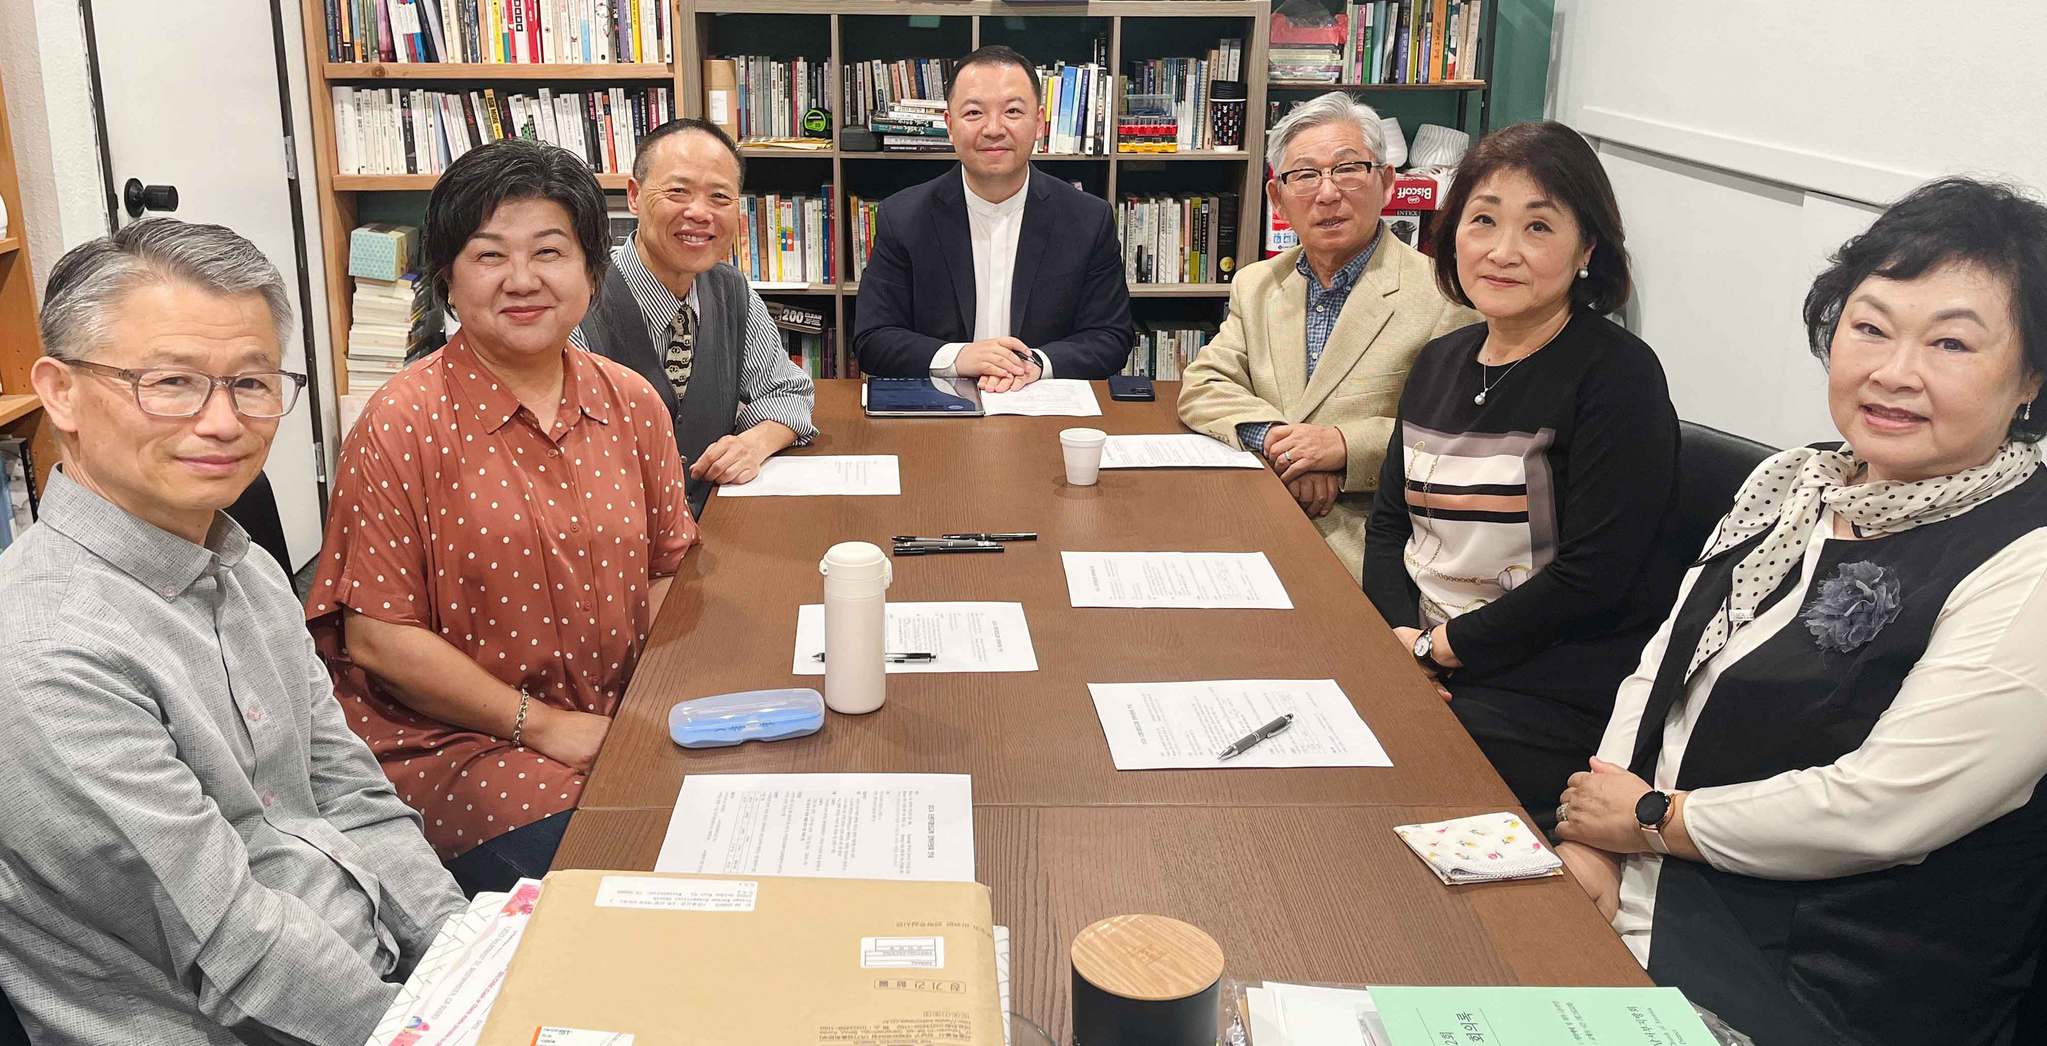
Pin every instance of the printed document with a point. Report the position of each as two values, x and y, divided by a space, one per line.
1049 398
967 637
1308 1015
1181 450
1205 580
1166 726
833 826
812 476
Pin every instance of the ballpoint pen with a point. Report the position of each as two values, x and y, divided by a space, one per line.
1255 737
1018 536
944 542
894 659
932 550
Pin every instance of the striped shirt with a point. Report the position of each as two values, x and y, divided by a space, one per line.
771 386
194 848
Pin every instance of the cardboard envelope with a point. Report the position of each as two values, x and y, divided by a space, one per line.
647 959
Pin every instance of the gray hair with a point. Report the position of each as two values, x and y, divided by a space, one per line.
92 279
1334 107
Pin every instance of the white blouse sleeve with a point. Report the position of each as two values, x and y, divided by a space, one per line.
1617 745
1958 748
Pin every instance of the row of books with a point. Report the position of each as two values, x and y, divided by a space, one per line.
913 125
766 98
786 239
1163 350
389 320
1175 92
500 31
1178 239
861 216
1077 109
1382 42
873 86
811 341
397 131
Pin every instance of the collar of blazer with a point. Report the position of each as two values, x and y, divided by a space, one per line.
949 227
1365 315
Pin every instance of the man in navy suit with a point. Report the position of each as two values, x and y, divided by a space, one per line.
994 271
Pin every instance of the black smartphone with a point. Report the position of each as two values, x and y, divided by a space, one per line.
1126 387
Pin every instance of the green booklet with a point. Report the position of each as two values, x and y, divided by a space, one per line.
1417 1016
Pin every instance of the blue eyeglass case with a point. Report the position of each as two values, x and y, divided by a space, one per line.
754 715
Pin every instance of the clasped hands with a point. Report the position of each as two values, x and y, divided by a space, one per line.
1310 460
1003 364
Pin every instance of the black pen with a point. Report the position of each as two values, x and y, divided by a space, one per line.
944 542
894 659
1018 536
1255 737
932 550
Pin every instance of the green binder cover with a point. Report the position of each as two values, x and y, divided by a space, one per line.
1539 1017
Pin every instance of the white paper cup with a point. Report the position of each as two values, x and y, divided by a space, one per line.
1083 449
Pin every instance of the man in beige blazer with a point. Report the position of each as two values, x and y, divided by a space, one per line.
1308 366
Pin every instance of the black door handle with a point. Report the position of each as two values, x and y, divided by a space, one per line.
140 197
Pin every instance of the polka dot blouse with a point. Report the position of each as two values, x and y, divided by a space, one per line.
529 551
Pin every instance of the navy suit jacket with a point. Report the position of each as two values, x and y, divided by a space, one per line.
1067 297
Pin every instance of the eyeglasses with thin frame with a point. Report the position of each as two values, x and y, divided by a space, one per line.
1349 176
167 392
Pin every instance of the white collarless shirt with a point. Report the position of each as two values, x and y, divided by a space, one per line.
993 228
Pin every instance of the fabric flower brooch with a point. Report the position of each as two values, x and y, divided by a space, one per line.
1854 605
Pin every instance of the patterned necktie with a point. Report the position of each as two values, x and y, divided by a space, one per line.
682 349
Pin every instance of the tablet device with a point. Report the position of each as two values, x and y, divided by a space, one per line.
923 398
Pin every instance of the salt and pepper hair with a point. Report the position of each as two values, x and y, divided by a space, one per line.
1320 111
91 280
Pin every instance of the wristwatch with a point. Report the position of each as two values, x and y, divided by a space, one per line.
1652 812
1424 652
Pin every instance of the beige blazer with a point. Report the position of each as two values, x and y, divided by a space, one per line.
1256 368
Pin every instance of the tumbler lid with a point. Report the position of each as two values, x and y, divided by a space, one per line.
1149 957
854 561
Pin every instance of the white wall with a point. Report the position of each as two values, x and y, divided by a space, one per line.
1746 139
49 109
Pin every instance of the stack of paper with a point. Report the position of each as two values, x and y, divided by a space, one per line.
1181 450
820 475
1158 726
1398 1015
1204 580
1049 398
828 826
1289 1014
966 637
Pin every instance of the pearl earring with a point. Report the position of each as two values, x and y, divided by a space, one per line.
2027 413
1584 273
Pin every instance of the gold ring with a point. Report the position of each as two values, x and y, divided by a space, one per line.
1563 812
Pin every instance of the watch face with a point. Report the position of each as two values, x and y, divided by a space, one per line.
1651 808
1424 644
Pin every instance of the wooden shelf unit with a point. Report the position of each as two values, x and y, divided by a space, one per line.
21 413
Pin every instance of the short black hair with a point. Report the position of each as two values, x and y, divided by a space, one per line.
1558 159
995 54
473 187
642 157
1992 226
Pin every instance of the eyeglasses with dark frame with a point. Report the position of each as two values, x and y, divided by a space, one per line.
1349 176
169 392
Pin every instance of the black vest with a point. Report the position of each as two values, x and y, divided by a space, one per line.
616 329
1937 952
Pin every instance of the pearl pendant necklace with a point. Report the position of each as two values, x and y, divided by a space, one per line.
1485 378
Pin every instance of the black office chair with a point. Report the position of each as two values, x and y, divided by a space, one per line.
256 511
1711 466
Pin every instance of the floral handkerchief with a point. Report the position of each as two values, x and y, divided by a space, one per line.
1481 849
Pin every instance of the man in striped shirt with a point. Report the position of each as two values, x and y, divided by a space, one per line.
686 320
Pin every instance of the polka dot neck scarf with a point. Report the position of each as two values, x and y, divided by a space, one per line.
1785 495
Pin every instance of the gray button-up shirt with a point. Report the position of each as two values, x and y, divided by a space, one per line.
193 847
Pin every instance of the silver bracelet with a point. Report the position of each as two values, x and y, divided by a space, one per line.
519 724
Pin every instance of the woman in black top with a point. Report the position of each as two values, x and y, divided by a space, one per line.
1514 544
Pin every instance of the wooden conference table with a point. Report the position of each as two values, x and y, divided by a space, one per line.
1296 872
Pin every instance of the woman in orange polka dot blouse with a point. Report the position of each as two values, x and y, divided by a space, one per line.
507 517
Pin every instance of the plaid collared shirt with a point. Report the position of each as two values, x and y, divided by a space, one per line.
1325 304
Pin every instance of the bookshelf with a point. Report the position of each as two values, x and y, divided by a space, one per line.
841 31
1465 92
21 413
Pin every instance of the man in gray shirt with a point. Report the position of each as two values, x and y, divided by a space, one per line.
195 848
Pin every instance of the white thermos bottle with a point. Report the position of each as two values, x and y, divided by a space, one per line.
856 579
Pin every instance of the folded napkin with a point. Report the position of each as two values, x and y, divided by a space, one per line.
1481 849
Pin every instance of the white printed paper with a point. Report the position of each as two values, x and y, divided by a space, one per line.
1309 1015
967 637
836 826
1203 580
718 106
677 895
449 995
902 953
1162 726
1182 450
1049 398
580 1037
820 475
